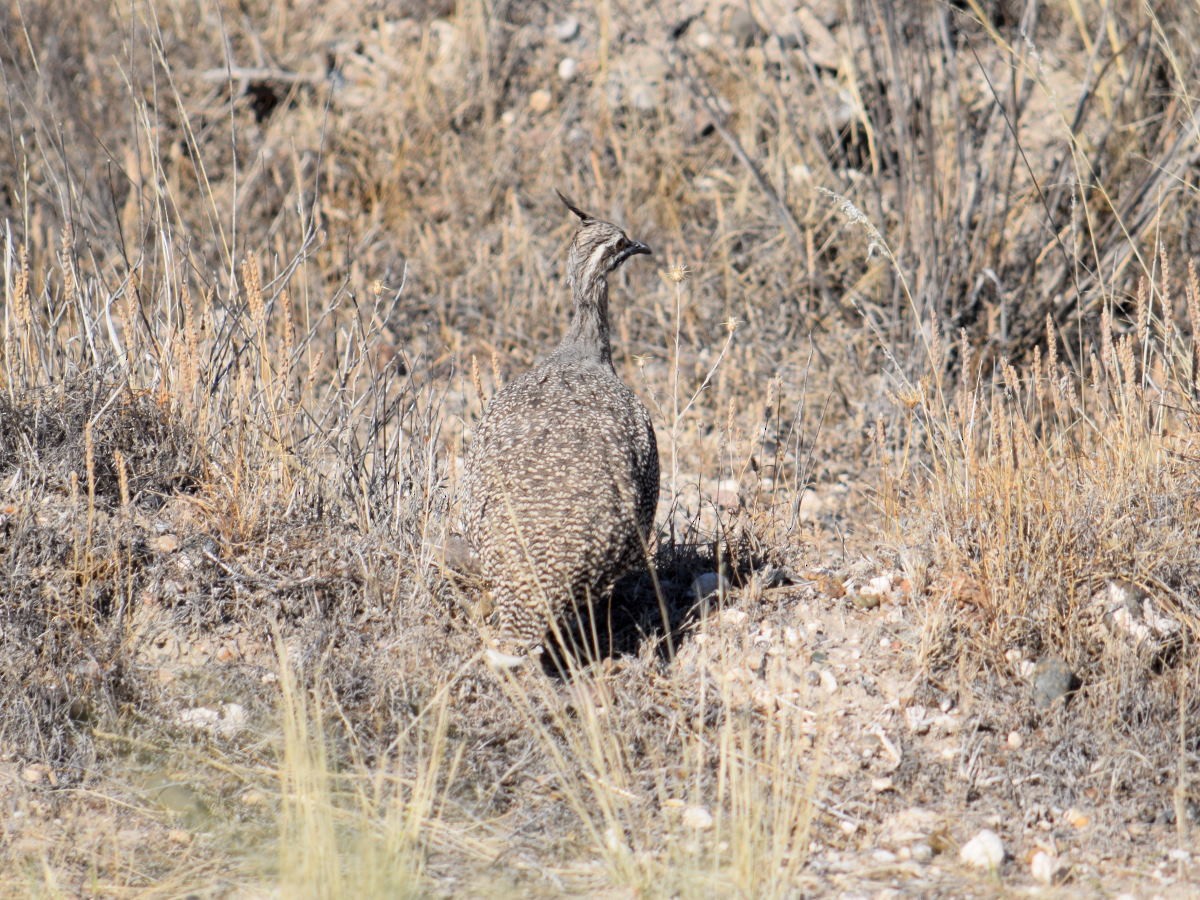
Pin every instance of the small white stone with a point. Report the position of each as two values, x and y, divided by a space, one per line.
916 717
922 852
883 857
567 29
34 774
730 617
877 586
697 818
801 174
708 583
201 718
882 785
984 851
1043 867
644 97
540 100
908 826
567 68
1015 741
233 719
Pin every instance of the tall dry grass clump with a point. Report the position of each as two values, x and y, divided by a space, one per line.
1050 512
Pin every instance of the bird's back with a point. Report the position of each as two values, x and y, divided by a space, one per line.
562 480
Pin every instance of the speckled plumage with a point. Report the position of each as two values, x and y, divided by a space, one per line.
561 478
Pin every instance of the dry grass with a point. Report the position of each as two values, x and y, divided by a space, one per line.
925 270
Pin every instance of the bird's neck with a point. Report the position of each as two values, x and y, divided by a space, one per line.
587 335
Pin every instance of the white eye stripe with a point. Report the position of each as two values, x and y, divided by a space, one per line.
601 251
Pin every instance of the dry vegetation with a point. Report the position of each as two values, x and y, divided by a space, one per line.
922 356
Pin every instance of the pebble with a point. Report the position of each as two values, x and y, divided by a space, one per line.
1015 740
37 773
227 722
697 818
1076 819
540 100
984 851
865 601
568 68
1052 679
908 826
880 584
1043 867
744 28
567 29
708 583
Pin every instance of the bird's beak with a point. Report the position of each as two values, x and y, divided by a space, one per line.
634 248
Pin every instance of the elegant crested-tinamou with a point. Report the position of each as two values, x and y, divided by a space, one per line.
561 478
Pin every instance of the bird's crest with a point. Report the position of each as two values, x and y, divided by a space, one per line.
583 217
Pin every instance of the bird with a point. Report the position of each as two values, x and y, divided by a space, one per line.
561 479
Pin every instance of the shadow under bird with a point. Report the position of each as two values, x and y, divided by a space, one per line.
561 479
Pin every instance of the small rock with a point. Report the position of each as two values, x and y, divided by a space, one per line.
36 774
882 785
744 28
1052 679
811 506
567 29
821 45
1076 819
540 100
1044 867
1015 740
908 826
865 601
709 583
183 800
697 818
877 586
567 68
883 857
984 851
227 722
916 717
254 798
921 852
165 543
